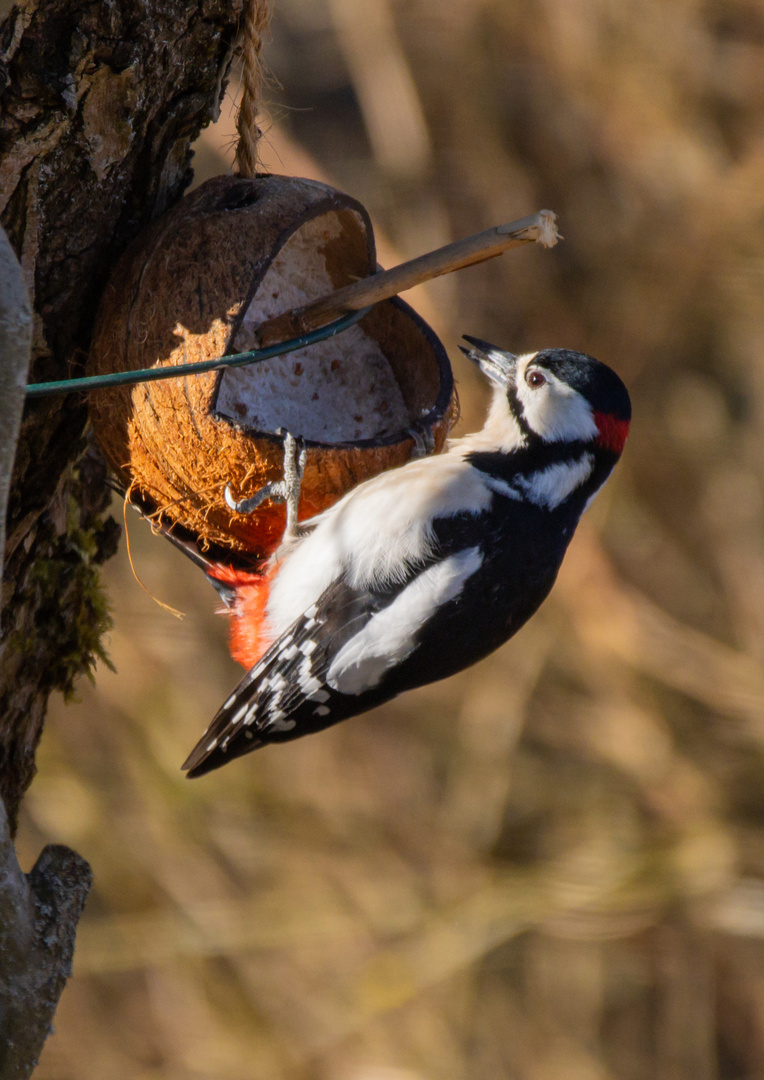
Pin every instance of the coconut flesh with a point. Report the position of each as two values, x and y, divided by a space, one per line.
339 390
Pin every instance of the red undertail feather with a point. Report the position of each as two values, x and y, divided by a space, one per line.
248 638
612 432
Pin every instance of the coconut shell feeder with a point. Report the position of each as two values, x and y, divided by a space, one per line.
241 263
213 278
197 285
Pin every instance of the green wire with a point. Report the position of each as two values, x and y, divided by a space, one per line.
127 378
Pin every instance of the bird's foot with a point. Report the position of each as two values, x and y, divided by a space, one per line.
286 490
424 441
295 456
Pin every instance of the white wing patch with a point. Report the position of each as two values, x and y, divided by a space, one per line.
501 487
390 636
375 533
551 486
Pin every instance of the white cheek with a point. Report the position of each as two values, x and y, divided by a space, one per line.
551 486
557 413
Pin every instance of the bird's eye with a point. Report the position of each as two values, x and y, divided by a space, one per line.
534 378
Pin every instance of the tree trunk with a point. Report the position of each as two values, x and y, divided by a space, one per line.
99 104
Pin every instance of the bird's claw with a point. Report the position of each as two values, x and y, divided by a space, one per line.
286 490
247 506
424 441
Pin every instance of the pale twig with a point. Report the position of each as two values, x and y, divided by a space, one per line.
539 228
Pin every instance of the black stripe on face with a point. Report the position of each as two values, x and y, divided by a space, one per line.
525 460
516 408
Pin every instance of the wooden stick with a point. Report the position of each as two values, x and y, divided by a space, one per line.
538 228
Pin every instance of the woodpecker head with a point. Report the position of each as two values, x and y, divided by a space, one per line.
551 397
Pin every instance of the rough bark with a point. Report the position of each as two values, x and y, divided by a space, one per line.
39 912
99 103
15 349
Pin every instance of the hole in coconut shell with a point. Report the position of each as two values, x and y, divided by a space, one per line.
238 198
342 390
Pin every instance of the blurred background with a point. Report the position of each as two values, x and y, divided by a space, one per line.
551 866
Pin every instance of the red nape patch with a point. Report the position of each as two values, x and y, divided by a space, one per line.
247 639
612 432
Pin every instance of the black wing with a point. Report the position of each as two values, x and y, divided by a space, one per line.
285 694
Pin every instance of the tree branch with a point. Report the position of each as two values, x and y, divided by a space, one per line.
99 104
15 346
39 913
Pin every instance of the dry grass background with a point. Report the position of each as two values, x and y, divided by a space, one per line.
551 866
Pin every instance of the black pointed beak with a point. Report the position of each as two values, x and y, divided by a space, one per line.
497 365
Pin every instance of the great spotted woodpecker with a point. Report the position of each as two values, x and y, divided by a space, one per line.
425 569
